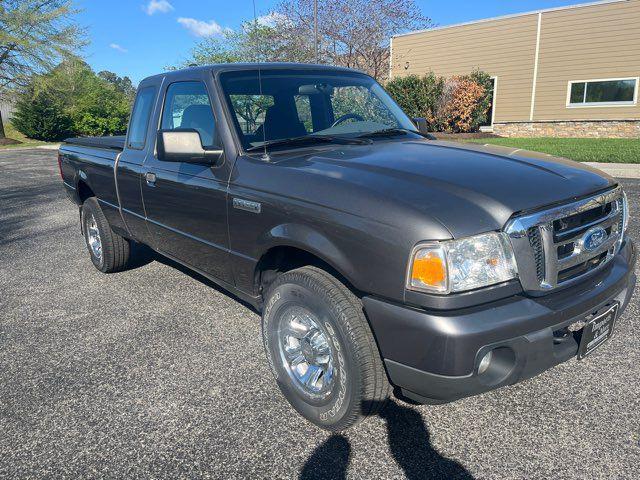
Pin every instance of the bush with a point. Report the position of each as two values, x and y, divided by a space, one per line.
458 104
71 100
479 115
41 117
418 96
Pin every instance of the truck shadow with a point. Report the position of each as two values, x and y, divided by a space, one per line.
142 255
330 460
409 443
407 435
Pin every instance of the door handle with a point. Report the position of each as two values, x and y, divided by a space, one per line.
150 178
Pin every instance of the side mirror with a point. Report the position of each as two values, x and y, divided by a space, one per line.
423 128
185 145
421 124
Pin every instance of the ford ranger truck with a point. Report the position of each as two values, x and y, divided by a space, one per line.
382 261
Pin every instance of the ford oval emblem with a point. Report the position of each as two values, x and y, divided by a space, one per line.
594 238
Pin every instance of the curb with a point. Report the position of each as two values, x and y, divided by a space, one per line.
620 170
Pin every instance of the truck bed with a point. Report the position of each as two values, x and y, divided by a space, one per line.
111 143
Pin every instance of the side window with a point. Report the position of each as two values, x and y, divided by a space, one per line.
140 118
187 105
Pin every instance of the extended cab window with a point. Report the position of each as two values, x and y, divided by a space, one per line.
140 118
187 105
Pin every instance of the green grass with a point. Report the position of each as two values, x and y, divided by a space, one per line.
11 132
607 150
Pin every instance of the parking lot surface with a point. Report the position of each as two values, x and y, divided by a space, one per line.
155 372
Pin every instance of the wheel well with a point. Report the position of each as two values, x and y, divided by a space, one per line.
84 191
284 258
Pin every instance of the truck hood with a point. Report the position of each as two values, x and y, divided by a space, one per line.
467 188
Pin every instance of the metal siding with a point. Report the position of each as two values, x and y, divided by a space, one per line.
582 43
504 48
601 41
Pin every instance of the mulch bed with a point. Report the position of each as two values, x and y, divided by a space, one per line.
462 136
8 141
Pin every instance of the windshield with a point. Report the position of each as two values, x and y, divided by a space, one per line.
275 104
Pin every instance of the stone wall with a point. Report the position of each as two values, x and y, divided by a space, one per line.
579 129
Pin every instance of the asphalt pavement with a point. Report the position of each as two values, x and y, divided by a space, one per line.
155 372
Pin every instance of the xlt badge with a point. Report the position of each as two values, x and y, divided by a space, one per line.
248 205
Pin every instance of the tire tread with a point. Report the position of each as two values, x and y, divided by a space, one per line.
375 385
116 250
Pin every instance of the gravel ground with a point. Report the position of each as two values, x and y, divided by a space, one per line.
157 373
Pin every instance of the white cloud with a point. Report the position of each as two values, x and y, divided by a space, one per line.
201 28
117 47
162 6
270 19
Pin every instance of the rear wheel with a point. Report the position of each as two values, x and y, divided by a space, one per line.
321 349
108 251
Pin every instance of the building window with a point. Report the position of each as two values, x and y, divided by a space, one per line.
607 92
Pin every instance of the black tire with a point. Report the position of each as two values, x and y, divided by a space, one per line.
115 249
358 386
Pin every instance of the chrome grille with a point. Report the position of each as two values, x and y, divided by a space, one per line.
556 247
535 240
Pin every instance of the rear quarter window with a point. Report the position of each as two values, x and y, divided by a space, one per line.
140 118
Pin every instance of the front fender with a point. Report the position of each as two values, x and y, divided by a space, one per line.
312 241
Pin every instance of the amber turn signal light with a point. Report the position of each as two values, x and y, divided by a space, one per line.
429 270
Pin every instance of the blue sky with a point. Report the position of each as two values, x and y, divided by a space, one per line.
140 37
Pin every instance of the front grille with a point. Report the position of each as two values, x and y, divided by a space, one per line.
535 240
581 268
557 246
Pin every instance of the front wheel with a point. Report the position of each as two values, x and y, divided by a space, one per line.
109 251
321 349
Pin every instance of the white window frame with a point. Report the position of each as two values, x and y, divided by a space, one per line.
602 104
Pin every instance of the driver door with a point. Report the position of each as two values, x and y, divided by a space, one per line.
185 203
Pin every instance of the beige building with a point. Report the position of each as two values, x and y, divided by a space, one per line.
570 71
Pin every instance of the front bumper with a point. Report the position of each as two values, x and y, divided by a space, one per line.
434 357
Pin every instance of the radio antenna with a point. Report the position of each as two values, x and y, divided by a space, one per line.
315 29
265 155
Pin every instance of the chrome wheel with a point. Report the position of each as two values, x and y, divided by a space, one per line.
93 238
305 351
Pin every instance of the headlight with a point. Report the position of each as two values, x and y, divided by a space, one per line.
460 265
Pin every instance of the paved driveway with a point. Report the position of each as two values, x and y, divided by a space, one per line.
156 373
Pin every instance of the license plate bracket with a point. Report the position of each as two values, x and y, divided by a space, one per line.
597 331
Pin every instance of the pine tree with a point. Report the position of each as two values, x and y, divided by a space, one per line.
40 116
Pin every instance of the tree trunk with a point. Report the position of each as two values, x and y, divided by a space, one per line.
1 127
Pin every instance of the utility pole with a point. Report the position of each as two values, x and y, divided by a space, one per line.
315 28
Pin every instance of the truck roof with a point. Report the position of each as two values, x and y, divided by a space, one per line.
217 67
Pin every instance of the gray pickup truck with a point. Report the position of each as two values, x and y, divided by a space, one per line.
382 261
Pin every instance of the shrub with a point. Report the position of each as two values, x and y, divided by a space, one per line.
418 96
71 100
41 117
458 104
479 115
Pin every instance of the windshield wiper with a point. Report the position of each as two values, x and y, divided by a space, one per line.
305 140
387 132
